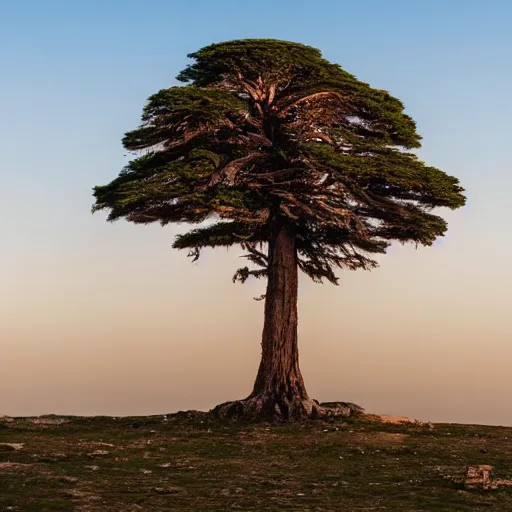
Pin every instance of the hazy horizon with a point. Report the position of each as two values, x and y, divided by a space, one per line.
100 318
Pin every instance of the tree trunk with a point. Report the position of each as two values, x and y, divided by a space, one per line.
279 385
279 391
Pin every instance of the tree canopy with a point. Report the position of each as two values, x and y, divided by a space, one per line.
276 146
261 127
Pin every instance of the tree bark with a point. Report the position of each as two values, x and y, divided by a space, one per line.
279 385
279 391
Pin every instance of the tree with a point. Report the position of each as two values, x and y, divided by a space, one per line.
285 150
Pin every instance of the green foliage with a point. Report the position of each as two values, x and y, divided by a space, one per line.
264 128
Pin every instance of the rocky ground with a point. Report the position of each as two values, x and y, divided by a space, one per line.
191 462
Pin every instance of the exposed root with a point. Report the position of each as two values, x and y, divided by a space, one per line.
262 408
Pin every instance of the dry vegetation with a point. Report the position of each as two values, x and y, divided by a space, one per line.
190 462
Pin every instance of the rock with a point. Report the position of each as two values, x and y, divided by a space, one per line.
15 447
479 477
13 465
98 453
501 482
343 409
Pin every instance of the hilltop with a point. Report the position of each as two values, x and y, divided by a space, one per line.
192 462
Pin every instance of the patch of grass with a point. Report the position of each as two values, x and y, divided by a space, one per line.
209 465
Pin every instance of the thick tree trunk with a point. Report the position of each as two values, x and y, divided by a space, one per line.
279 391
279 387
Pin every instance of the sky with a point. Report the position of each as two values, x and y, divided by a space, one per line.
101 318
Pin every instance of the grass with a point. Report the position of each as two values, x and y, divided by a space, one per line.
193 463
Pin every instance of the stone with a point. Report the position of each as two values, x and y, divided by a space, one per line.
15 447
98 453
341 409
13 465
479 477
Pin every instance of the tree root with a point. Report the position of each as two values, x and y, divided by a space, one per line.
267 408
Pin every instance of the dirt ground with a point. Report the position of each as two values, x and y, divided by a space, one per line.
190 462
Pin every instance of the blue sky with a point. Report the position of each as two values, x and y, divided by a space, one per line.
75 76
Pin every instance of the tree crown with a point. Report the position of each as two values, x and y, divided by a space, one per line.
265 129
